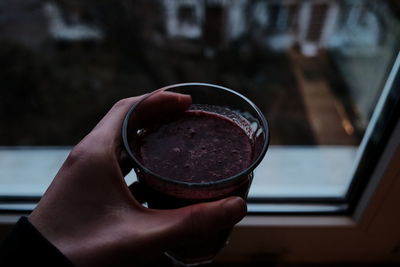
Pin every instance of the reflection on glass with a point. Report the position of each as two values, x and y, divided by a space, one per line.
315 68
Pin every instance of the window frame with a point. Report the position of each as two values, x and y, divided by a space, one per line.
369 233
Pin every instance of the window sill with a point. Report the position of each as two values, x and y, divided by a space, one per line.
322 171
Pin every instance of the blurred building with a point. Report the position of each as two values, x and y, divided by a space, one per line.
215 21
350 25
361 35
279 24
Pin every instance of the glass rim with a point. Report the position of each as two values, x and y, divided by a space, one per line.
247 171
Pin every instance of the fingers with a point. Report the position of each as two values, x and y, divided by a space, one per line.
208 217
201 220
190 228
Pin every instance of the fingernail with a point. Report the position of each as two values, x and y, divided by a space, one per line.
184 98
235 209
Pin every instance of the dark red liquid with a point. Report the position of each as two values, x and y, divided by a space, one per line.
197 147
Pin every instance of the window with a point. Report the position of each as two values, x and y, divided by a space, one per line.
325 73
318 86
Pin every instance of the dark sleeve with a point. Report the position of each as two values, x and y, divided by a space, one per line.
25 246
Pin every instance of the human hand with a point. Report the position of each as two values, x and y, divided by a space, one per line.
91 216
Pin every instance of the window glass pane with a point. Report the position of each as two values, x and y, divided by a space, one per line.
315 68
